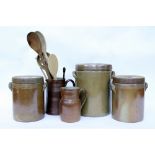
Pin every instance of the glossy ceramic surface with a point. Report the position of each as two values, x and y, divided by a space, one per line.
28 98
70 104
128 99
97 85
54 95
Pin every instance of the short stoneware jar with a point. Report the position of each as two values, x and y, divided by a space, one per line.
28 98
128 98
71 103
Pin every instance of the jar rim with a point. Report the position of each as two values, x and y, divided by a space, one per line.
129 79
27 79
93 67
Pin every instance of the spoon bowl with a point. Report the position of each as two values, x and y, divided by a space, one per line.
37 45
34 42
53 65
43 44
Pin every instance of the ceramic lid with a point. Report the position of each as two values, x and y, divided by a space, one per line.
27 79
93 67
129 79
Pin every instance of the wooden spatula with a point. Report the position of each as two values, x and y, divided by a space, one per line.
53 65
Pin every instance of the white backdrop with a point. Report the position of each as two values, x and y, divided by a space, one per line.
130 50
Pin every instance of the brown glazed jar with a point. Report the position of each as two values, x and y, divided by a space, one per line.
128 98
28 98
71 103
53 94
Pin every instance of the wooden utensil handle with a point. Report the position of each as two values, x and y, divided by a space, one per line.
44 66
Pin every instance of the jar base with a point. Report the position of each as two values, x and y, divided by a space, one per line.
95 115
70 121
128 121
18 119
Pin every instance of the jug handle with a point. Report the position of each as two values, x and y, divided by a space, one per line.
74 74
112 86
44 86
70 80
112 74
83 97
146 85
10 85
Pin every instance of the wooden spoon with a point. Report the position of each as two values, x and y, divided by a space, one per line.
43 68
53 65
34 42
52 60
43 44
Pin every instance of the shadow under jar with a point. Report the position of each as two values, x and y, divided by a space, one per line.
128 98
54 95
28 98
95 79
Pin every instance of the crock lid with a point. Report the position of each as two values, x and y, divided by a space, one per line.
129 79
93 67
27 79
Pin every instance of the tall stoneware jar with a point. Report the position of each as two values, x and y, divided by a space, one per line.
95 79
128 98
28 98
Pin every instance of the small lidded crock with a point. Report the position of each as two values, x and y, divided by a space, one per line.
28 98
128 98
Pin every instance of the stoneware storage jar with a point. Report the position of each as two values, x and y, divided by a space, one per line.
28 98
71 103
95 79
53 94
128 98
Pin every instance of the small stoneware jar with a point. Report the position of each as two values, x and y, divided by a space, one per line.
128 98
95 79
53 94
28 98
71 103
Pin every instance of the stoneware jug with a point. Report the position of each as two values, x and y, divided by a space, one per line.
53 94
71 103
128 98
95 79
28 98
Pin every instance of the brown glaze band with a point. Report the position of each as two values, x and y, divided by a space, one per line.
71 103
128 101
28 101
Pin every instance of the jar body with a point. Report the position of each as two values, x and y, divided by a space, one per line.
128 102
28 102
70 105
97 85
53 96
